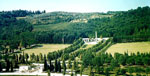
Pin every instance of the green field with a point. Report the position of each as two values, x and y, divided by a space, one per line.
133 47
48 27
45 48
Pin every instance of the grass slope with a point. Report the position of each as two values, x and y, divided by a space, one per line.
48 27
133 47
45 48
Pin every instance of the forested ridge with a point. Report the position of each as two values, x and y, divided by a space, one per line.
123 26
126 26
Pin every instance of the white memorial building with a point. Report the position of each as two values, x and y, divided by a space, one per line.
93 40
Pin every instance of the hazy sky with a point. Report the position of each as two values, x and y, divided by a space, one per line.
73 5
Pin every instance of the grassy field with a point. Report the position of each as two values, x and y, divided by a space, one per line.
48 27
134 47
45 48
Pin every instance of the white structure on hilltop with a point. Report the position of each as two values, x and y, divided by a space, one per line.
93 40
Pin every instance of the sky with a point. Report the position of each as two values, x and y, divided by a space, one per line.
73 5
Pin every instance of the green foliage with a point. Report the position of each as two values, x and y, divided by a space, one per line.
114 63
49 74
107 71
64 67
87 58
59 66
90 71
69 64
56 65
1 67
45 64
147 70
64 53
81 69
12 29
130 70
122 71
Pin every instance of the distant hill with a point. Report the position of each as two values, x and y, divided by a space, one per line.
59 17
55 27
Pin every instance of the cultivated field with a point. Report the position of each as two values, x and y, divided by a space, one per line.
134 47
45 48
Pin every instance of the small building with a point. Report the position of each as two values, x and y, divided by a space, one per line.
23 68
93 40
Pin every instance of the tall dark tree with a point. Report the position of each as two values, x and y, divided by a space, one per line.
59 66
1 67
45 64
11 66
23 58
7 65
64 67
51 66
56 65
26 57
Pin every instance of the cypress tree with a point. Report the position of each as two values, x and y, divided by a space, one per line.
45 64
64 67
59 66
37 58
23 58
51 66
26 57
69 64
56 65
1 67
8 65
11 66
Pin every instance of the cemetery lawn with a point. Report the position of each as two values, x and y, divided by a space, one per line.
45 48
134 47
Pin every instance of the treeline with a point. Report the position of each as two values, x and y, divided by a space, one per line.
64 53
133 38
107 64
65 35
20 13
95 49
55 37
60 17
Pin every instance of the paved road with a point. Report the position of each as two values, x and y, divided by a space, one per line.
41 74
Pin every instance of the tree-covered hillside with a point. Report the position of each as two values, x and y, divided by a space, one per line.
124 26
59 17
132 25
64 27
15 33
